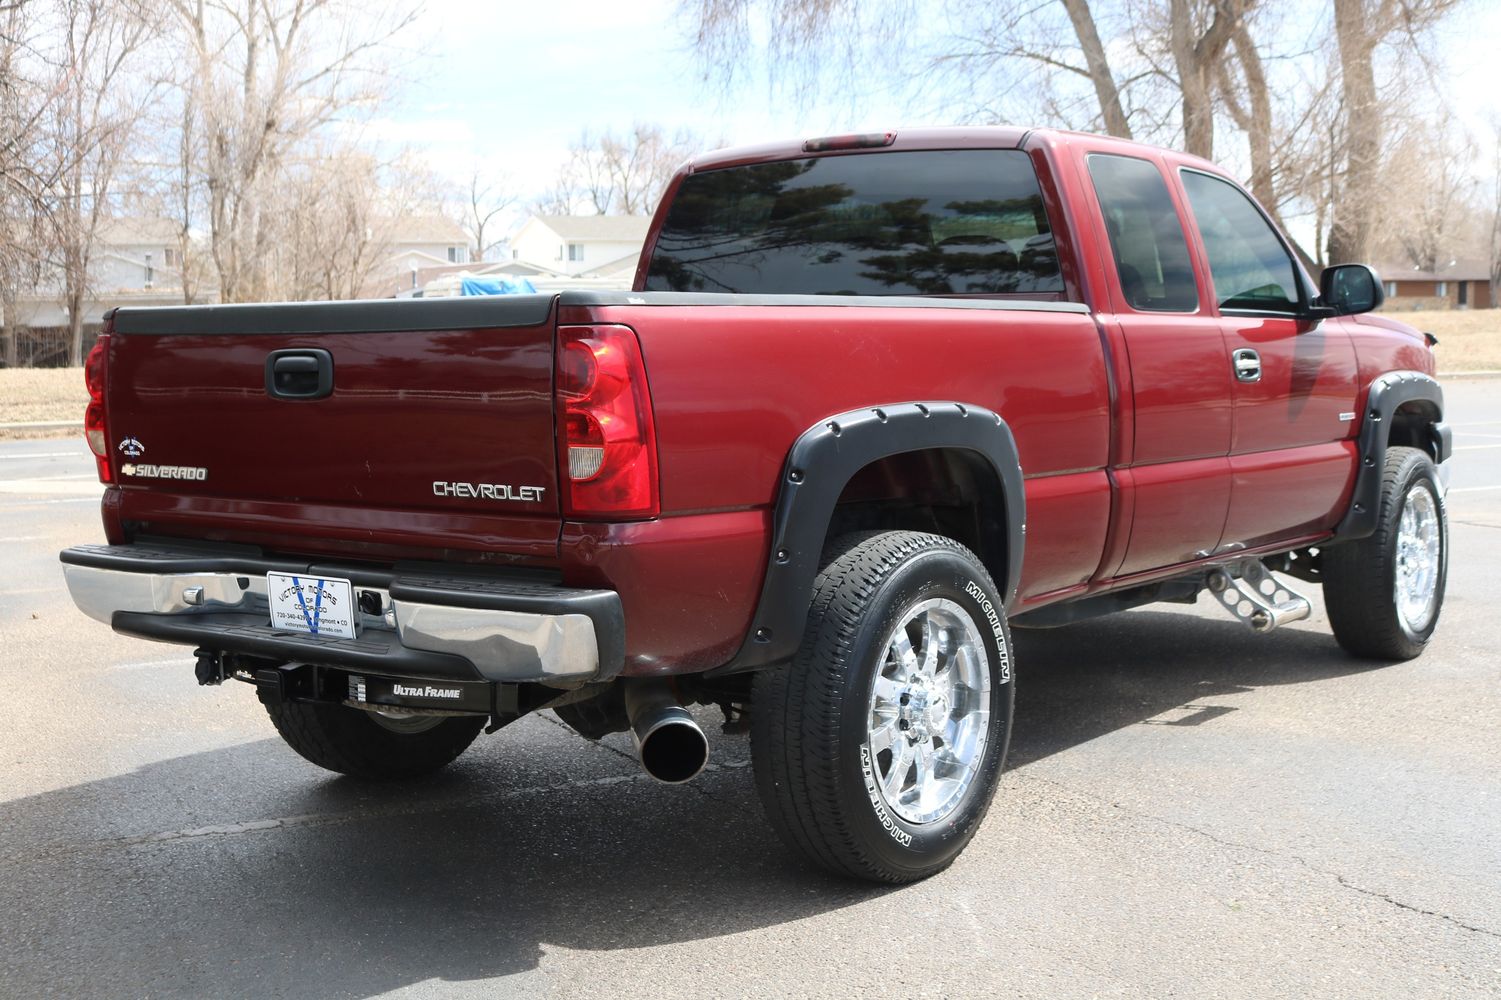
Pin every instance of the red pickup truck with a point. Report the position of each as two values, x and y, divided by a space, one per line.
874 400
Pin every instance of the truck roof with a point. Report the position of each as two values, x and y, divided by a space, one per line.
925 137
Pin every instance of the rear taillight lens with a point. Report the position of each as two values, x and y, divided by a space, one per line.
95 428
607 445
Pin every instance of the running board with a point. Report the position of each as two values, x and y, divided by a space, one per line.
1247 589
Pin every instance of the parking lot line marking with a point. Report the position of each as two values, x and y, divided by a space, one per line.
23 538
1475 489
30 590
1476 447
147 664
43 454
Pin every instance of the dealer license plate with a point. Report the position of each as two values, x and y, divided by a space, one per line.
313 605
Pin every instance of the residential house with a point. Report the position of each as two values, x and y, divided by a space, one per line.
134 262
582 246
1459 284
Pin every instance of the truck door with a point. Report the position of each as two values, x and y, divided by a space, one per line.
1176 478
1292 453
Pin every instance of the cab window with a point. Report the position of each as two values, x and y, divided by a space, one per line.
1146 238
1248 263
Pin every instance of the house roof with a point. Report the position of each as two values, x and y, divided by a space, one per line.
428 229
1459 269
604 228
619 265
138 231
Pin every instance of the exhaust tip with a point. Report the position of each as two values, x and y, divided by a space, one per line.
674 752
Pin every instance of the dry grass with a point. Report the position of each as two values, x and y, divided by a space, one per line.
1468 340
28 394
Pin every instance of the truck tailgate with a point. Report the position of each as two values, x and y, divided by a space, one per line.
440 407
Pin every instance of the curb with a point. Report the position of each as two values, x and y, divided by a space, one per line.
42 425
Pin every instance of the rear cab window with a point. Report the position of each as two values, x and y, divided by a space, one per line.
921 222
1146 236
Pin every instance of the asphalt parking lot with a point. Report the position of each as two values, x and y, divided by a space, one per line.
1190 809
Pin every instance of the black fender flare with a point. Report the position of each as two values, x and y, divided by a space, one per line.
819 466
1387 393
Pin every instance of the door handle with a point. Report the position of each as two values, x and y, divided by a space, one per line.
299 374
1247 365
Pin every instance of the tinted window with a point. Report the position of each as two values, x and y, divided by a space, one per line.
962 222
1151 255
1250 267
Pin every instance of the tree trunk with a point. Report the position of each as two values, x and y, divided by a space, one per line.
1354 209
1099 68
12 315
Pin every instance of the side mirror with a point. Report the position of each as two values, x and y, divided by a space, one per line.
1350 288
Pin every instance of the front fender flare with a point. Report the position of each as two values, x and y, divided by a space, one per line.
819 466
1387 394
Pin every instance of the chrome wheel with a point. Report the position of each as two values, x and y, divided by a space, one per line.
929 711
1419 558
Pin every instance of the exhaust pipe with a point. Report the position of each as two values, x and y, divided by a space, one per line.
670 744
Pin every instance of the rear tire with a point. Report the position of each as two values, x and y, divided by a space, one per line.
360 744
878 749
1384 593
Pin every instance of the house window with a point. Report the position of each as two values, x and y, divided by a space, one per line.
1391 289
453 255
1441 289
1464 293
150 274
169 257
575 251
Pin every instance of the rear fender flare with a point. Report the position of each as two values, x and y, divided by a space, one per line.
1387 394
819 466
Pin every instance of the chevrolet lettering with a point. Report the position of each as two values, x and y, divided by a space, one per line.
489 491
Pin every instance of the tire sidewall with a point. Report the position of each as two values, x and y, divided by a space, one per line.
1419 470
931 573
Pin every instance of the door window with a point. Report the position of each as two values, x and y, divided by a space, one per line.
1146 238
1248 263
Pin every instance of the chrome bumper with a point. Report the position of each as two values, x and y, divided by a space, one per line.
506 629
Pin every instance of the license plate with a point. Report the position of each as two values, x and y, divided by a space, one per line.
312 605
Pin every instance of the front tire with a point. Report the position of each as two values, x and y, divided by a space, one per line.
1384 593
878 749
363 745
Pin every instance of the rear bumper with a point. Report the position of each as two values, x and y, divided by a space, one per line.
421 621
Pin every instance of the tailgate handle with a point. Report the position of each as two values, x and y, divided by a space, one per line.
300 373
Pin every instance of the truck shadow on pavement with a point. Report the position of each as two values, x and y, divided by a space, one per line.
174 880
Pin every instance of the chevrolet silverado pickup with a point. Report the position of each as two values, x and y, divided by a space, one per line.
874 400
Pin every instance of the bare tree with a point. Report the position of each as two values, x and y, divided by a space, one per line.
608 174
1360 29
264 76
94 107
1494 234
484 204
24 220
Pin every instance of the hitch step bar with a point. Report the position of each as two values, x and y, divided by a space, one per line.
1248 590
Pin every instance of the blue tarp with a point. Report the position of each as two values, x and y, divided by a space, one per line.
495 286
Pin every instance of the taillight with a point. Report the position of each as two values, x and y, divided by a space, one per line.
607 445
95 429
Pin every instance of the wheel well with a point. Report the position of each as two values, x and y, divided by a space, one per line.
946 491
1412 424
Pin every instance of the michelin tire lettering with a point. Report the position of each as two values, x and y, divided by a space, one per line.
973 590
874 794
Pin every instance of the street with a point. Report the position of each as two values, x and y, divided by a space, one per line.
1189 809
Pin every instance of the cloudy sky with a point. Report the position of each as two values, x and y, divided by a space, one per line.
504 86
